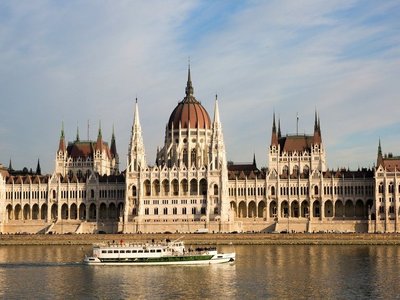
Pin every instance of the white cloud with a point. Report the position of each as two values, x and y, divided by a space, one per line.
75 61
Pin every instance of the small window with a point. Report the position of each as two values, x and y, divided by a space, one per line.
146 251
158 250
128 251
152 251
122 251
109 251
134 251
103 251
140 251
115 251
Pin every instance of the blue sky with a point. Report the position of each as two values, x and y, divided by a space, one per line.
80 61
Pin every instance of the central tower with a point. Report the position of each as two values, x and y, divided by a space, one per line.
187 135
187 188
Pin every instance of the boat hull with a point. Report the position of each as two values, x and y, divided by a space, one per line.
177 260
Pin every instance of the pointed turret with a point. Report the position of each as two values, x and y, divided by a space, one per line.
254 161
279 129
189 87
218 155
77 134
10 168
61 145
99 142
113 147
216 110
136 158
379 160
274 136
317 130
38 168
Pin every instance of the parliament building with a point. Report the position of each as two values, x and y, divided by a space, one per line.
193 188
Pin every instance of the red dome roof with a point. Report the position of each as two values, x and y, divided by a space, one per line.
189 112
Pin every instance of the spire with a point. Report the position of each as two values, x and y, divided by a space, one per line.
254 161
99 143
137 156
61 144
315 121
38 168
279 128
10 168
62 129
317 130
99 135
189 86
216 110
136 121
274 136
379 160
77 134
113 148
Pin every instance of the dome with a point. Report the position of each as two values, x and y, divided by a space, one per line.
189 112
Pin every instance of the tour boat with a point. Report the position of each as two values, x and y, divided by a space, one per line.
163 253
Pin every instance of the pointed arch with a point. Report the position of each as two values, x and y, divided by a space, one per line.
103 211
27 212
112 212
35 211
64 211
261 209
193 187
73 211
43 211
252 211
82 211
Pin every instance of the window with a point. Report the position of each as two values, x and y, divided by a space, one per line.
194 210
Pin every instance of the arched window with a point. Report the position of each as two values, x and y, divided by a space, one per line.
285 170
380 188
215 189
315 190
193 157
134 191
185 157
306 170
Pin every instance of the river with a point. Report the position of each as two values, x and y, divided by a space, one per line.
260 272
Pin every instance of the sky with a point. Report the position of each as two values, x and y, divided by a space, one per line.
84 62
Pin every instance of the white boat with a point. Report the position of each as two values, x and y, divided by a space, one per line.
163 253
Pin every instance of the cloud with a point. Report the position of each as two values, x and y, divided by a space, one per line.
78 61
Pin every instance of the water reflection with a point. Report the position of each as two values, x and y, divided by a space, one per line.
328 272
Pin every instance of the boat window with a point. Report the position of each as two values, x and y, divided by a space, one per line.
103 251
128 251
140 251
134 251
146 251
152 250
115 251
109 251
122 251
158 250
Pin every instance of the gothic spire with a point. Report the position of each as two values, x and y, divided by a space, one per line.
274 136
77 134
279 128
216 110
38 168
61 144
189 86
113 147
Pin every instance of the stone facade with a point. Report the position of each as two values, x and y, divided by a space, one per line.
192 186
